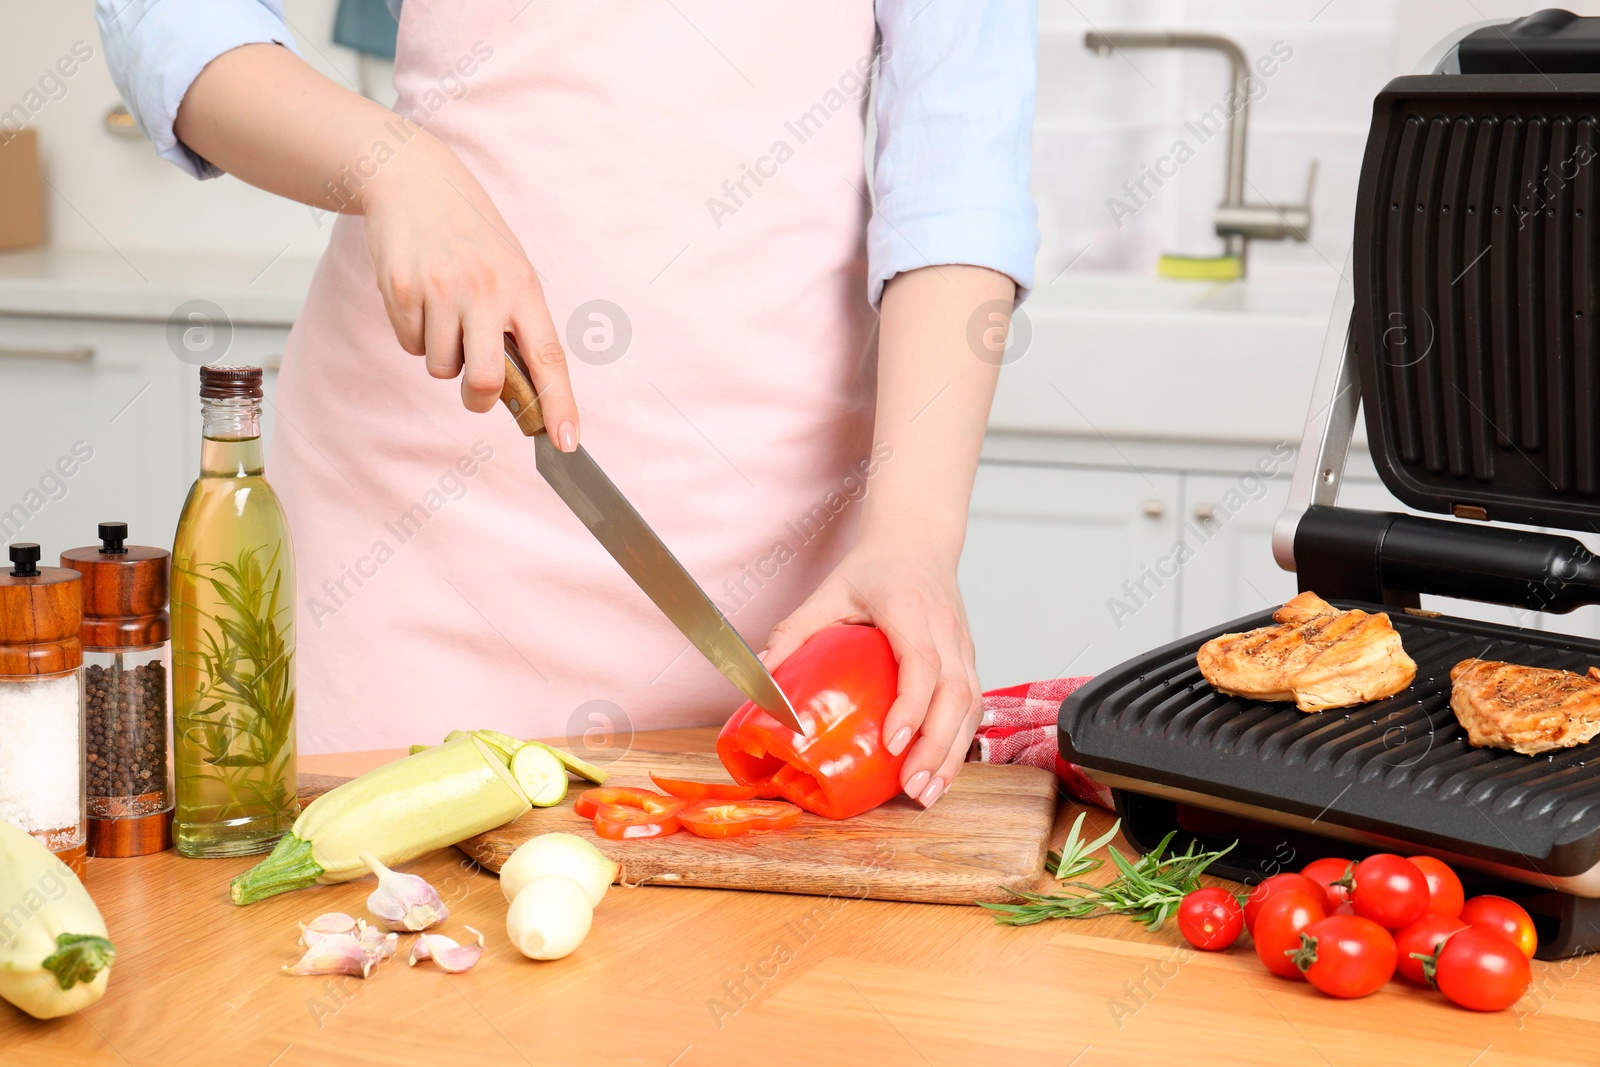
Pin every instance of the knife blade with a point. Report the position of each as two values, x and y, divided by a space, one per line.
622 531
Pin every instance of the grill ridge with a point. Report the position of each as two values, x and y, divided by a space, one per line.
1477 257
1400 767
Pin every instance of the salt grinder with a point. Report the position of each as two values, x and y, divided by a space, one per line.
41 704
127 656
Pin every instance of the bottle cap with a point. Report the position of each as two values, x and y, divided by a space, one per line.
230 383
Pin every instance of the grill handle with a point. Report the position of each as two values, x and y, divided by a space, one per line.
1388 558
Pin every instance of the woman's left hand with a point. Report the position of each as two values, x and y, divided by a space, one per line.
918 607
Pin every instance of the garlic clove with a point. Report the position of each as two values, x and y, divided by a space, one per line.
334 922
378 945
403 901
334 954
451 957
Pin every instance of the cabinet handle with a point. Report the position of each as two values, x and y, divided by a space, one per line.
1205 512
68 354
1154 509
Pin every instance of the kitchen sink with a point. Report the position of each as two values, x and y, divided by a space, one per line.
1115 355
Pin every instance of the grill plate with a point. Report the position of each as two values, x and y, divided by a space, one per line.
1400 767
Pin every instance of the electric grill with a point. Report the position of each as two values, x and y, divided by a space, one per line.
1468 331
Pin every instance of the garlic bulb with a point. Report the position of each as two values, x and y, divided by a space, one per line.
404 901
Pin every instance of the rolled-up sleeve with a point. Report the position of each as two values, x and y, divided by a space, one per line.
954 110
156 48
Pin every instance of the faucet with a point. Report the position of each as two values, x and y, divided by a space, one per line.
1236 222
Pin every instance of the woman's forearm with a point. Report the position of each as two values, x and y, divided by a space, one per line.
306 138
936 380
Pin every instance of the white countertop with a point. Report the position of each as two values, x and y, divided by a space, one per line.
136 284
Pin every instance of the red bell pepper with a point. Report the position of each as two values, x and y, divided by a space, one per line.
841 682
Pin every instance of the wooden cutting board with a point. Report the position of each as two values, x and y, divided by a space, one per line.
985 836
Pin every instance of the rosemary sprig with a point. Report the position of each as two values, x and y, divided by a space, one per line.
1073 859
1147 889
243 717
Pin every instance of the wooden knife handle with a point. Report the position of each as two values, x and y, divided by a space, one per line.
517 393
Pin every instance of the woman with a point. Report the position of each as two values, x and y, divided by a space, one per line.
672 192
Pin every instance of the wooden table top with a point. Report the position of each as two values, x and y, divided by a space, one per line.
674 977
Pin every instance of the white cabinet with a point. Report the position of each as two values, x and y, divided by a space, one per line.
1063 569
1228 520
98 421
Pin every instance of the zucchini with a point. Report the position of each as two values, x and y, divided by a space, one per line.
397 812
55 957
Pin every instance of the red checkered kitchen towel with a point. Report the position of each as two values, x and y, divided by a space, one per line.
1019 726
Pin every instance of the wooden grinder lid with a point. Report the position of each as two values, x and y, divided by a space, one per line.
124 590
41 609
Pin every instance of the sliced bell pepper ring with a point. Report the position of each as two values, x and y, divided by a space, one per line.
842 683
589 800
679 787
622 822
734 818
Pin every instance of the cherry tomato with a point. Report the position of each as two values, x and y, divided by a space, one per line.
1423 937
621 822
1505 917
1480 970
734 818
1276 885
1278 925
1389 890
1445 894
678 787
589 800
1326 873
1345 955
1210 918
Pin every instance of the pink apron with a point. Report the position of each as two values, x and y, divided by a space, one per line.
696 164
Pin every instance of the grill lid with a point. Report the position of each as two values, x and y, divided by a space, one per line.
1399 768
1476 262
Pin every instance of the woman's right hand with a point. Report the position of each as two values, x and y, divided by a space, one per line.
454 279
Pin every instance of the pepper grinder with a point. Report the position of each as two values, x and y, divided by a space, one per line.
127 656
41 704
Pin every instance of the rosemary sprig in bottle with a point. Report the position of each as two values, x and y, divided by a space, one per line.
1147 889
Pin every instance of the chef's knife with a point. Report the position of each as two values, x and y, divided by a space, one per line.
600 506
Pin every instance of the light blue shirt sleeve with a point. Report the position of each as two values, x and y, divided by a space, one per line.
156 48
956 85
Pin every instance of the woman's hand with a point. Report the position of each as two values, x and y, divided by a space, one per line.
934 390
916 604
454 278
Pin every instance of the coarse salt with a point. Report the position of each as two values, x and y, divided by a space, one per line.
41 753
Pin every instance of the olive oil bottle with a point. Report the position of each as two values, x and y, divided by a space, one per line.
232 637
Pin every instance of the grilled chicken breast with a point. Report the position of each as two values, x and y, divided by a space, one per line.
1526 709
1317 656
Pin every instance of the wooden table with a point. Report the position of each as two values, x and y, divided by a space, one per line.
674 977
